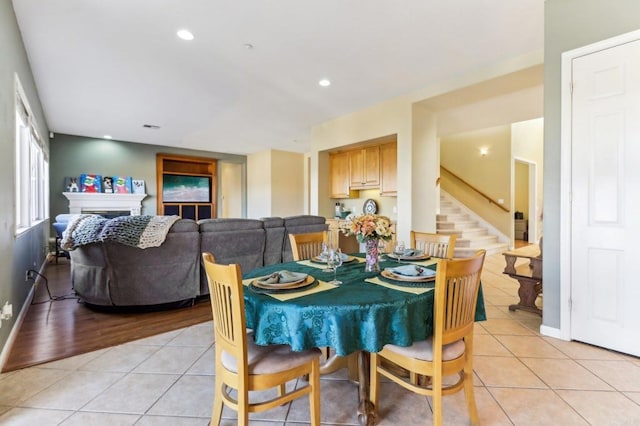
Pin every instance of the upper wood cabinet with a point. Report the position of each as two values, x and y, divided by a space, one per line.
389 169
339 172
364 165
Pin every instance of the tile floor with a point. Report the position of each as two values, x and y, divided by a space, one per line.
522 378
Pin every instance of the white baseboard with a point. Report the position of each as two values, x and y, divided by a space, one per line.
13 334
545 330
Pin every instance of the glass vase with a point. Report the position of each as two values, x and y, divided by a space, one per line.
371 263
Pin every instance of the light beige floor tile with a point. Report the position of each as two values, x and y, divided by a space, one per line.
603 408
529 346
536 407
173 421
494 312
101 419
158 339
505 300
4 409
338 404
28 382
479 329
196 335
33 416
122 358
74 391
635 396
189 396
171 360
134 394
454 409
205 365
577 350
565 374
622 375
398 406
531 324
277 414
505 371
74 362
506 326
486 344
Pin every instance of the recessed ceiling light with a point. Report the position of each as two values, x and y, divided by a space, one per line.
107 137
185 35
324 82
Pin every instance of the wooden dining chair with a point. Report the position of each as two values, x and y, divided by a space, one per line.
436 245
244 366
450 350
306 246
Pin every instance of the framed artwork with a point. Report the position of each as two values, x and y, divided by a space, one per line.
71 184
122 184
107 184
183 188
137 185
90 183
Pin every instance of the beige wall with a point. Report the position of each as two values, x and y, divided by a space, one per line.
528 146
521 188
275 184
490 174
231 188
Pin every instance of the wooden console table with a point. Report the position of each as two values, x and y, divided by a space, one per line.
529 275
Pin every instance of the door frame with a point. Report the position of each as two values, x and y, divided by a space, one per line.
564 332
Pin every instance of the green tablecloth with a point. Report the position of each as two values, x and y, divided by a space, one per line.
355 316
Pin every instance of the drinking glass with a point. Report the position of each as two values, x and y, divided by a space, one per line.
337 262
382 246
324 255
398 250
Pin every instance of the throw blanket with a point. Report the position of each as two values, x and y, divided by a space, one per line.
135 231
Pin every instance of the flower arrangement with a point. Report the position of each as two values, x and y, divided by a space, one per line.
369 227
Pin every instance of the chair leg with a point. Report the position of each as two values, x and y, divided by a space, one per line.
282 389
314 396
216 412
469 394
374 382
437 399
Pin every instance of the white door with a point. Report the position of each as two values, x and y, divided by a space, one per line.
605 194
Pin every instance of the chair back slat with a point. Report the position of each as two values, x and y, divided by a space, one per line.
436 245
227 305
456 295
307 246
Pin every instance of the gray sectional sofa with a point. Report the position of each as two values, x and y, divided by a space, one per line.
114 276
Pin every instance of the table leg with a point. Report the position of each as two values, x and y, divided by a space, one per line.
529 291
366 415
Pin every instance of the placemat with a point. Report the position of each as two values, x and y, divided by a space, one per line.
322 286
324 265
414 290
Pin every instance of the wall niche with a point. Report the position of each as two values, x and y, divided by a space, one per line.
187 186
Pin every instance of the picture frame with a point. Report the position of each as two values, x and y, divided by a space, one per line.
72 184
91 183
137 186
186 188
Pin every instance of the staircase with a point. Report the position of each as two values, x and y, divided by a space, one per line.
471 235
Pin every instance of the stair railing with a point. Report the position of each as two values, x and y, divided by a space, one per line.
476 190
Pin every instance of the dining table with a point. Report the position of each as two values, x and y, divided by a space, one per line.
358 317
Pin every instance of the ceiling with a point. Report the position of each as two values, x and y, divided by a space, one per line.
110 67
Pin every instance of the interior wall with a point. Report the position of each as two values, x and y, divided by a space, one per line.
74 155
490 174
231 189
28 250
527 143
259 185
569 24
287 183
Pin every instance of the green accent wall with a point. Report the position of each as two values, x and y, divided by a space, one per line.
74 155
569 24
28 250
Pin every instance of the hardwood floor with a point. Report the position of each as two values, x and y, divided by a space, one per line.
65 327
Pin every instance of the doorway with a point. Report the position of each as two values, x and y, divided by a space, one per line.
601 127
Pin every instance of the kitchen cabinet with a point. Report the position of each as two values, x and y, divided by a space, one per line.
339 174
389 169
364 168
347 243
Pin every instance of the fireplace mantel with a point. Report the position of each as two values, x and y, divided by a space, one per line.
81 202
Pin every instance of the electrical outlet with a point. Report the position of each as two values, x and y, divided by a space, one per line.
7 311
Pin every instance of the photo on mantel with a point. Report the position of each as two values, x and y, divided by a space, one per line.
138 186
71 184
